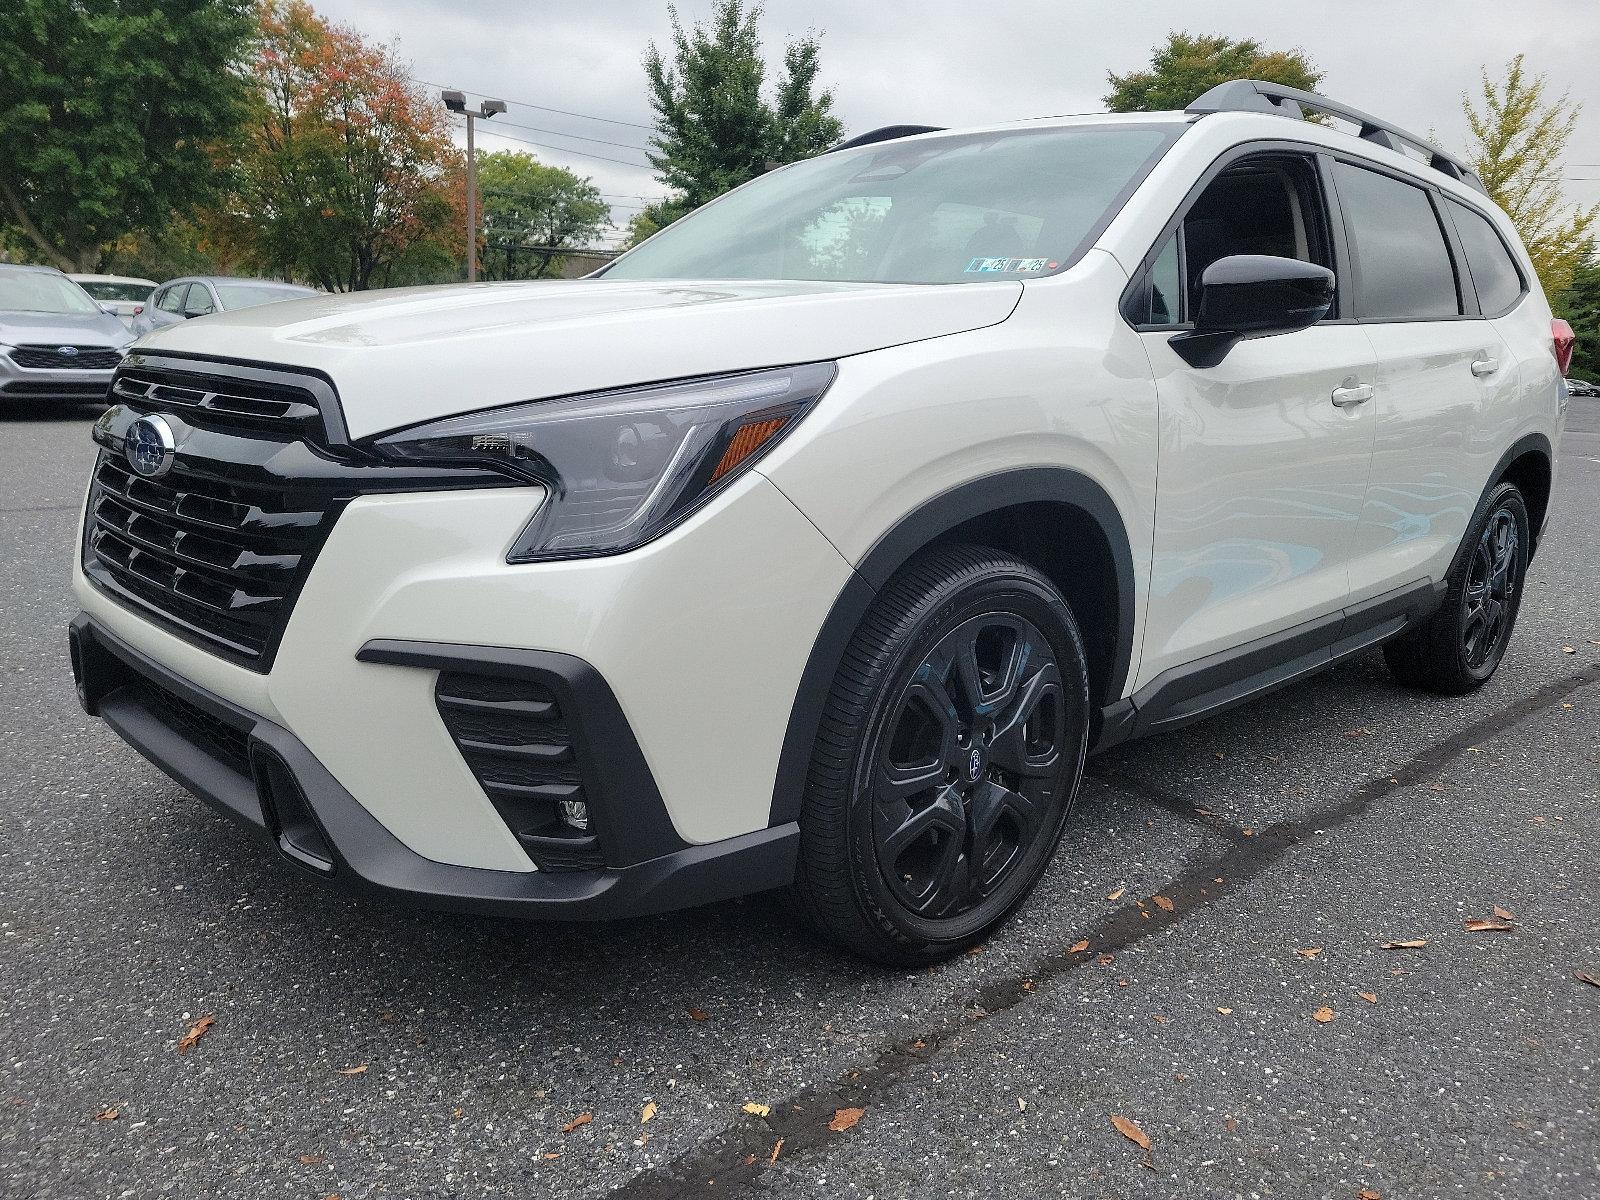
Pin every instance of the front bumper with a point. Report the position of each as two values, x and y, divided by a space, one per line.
257 773
23 383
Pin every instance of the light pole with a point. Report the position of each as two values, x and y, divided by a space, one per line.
456 102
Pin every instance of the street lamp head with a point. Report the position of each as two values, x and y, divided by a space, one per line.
454 101
489 107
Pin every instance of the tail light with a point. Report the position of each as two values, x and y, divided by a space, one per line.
1565 343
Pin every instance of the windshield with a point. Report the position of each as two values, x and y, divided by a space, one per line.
248 295
101 290
40 291
964 209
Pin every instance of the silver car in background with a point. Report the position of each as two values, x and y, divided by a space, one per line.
202 295
122 295
56 342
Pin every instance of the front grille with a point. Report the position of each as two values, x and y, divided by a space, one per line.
81 358
520 746
74 390
215 400
220 559
222 741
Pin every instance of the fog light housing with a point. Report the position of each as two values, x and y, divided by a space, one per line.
576 814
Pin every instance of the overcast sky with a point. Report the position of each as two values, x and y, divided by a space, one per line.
963 62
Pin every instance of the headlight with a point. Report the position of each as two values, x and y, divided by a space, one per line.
622 467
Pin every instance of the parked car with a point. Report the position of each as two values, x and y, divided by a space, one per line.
201 295
123 295
56 342
1582 387
817 541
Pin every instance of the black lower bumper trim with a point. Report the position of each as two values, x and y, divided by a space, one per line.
316 824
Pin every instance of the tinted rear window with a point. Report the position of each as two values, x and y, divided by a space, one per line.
1494 271
1402 264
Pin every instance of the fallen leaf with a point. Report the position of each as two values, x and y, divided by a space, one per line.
1569 649
977 950
773 1157
1359 732
1487 925
358 1070
312 1160
647 1112
1131 1131
1369 997
1230 1124
1117 895
1504 914
1162 903
1309 952
758 1110
697 1014
1105 960
846 1118
1406 944
1078 947
1585 977
1248 832
549 1154
580 1119
108 1114
1323 1015
1201 810
1159 1019
196 1032
1022 1105
1368 1194
1227 1012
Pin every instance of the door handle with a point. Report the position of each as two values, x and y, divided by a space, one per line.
1485 366
1346 397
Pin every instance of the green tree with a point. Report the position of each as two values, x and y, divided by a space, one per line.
532 212
1188 66
1519 138
715 129
348 175
1580 305
111 116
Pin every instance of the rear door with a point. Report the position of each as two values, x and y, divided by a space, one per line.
1263 458
1440 368
166 306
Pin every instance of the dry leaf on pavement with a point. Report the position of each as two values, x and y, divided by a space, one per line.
846 1118
1131 1131
1079 947
647 1112
1368 1194
1569 649
196 1032
108 1114
1227 1012
1505 914
1486 925
696 1014
1369 997
580 1119
776 1146
1117 895
1585 977
1323 1015
549 1154
1309 952
357 1070
1162 903
1406 944
758 1110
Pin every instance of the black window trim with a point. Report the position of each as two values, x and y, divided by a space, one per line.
1137 290
1466 294
1494 227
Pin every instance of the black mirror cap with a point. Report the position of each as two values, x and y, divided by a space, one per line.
1254 295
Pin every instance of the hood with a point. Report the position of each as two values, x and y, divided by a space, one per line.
414 354
76 329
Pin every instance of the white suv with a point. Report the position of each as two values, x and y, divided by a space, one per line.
817 540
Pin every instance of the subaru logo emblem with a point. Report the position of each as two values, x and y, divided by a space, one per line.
975 765
67 351
149 446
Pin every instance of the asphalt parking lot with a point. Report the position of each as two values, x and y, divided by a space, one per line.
1231 882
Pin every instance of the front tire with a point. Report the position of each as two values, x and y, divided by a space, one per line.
948 757
1461 645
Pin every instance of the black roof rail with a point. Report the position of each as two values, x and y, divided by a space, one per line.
886 133
1258 95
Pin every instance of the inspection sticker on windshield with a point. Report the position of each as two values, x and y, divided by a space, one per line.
1008 266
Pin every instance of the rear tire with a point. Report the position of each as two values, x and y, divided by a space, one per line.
949 753
1457 649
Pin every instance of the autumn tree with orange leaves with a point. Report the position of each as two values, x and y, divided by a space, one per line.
349 177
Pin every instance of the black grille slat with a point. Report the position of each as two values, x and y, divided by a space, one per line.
519 745
49 358
223 741
220 402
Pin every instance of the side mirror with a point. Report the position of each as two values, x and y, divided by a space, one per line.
109 310
1249 296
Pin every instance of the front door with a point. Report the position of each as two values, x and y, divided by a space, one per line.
1264 458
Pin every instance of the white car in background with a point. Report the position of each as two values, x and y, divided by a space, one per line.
123 295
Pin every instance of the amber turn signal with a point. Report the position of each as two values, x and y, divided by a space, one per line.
746 441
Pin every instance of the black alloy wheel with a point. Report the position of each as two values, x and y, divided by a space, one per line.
950 751
1488 599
